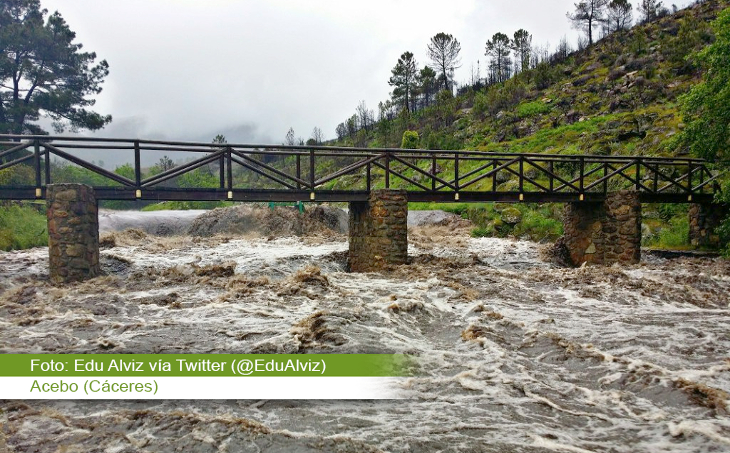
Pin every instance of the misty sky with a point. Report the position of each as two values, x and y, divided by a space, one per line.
191 69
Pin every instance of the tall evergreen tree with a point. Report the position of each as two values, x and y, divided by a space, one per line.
443 50
619 15
588 14
403 81
649 9
522 46
427 86
498 48
44 73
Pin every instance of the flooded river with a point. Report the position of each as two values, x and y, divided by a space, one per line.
515 354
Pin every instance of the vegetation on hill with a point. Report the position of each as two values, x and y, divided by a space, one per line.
620 96
706 110
624 88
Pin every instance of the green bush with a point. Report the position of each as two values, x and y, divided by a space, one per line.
125 170
545 75
17 175
500 97
481 103
669 211
410 140
539 224
23 227
676 236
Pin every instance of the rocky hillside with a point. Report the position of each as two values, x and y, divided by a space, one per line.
619 96
616 97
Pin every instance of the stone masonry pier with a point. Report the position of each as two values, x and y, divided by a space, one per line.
595 232
73 233
378 231
703 222
604 232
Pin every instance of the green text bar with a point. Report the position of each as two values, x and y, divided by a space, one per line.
34 365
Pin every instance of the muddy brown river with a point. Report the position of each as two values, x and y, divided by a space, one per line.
515 354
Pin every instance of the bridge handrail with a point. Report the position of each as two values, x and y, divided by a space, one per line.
185 146
293 168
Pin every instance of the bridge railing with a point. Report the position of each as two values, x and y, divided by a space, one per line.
168 170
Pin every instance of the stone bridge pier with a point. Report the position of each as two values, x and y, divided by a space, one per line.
604 232
73 233
704 218
595 232
378 231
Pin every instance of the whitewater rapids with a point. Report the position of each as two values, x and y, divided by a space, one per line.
515 354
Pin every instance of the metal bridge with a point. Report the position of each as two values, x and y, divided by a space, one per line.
324 173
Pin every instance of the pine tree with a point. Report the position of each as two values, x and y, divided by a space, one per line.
619 15
522 46
44 73
443 50
404 81
498 48
587 15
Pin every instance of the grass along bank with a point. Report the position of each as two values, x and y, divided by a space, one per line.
23 226
664 226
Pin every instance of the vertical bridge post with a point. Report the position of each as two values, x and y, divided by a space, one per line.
604 232
73 233
378 231
704 218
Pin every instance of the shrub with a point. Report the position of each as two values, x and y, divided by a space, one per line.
481 103
22 227
639 42
545 75
17 175
500 97
410 140
539 225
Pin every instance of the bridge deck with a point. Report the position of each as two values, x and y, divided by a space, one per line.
171 194
207 171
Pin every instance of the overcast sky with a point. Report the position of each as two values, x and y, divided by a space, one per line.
191 69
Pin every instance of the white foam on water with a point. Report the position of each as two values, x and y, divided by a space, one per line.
530 358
